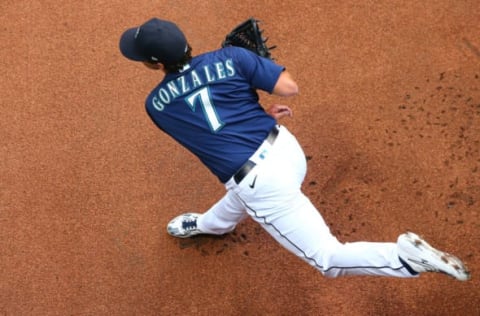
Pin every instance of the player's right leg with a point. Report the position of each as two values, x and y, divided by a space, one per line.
220 219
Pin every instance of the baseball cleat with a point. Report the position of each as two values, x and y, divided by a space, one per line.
422 257
184 226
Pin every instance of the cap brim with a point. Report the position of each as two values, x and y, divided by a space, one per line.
128 47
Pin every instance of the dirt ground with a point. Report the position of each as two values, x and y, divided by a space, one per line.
388 114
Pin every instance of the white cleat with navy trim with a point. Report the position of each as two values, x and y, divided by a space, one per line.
421 257
184 226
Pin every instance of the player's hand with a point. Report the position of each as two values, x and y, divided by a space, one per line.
279 111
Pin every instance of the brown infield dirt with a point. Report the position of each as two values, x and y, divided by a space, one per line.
388 115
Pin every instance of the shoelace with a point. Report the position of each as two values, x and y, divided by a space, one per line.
189 224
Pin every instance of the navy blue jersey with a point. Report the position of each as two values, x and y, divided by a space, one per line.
212 107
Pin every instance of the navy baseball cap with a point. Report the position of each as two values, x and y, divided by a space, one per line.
155 41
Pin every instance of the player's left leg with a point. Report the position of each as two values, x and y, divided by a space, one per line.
303 232
278 204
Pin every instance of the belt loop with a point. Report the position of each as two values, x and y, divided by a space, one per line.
244 170
249 165
272 135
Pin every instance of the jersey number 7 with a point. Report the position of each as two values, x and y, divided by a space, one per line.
204 98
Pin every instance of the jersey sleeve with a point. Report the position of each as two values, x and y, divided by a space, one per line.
262 73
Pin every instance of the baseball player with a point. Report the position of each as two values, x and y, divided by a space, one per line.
209 104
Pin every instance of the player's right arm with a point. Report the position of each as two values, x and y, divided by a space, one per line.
285 85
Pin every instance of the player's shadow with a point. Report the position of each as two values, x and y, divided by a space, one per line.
214 244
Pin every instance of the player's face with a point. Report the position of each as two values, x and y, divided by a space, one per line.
154 66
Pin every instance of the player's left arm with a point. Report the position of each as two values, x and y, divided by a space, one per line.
285 85
278 111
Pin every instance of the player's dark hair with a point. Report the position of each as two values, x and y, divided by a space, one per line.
185 60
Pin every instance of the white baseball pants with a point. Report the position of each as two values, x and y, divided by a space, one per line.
277 203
